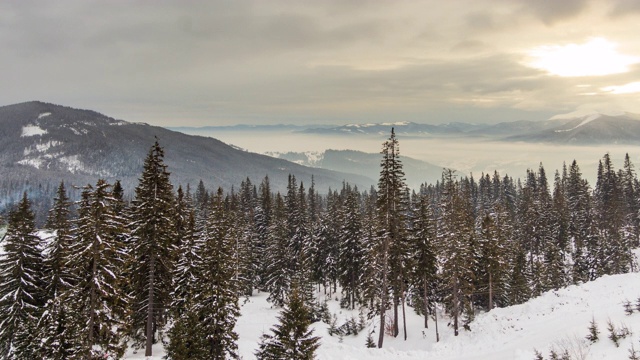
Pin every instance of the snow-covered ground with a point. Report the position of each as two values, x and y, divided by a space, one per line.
557 319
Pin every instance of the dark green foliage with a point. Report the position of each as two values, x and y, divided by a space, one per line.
204 328
153 236
21 285
593 331
538 355
633 353
99 304
369 342
628 307
291 338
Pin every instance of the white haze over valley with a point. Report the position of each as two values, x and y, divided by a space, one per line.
465 155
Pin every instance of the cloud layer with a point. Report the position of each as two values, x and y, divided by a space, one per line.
226 62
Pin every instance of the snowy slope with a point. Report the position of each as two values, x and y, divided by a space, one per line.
556 319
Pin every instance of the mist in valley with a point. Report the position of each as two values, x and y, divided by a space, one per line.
467 155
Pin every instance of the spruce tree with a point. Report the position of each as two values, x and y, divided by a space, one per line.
351 258
277 275
390 249
58 333
291 338
153 236
21 285
203 329
98 302
455 235
424 256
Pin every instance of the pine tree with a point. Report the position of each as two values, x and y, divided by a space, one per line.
153 236
351 258
21 285
205 329
390 250
277 275
59 335
98 303
291 339
455 235
424 257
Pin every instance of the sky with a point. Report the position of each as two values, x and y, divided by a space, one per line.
224 62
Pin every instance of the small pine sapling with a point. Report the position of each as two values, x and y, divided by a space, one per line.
333 325
370 343
628 307
633 354
538 355
593 331
613 333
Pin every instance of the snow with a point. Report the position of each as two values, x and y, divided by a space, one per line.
32 130
44 115
557 319
36 162
584 113
587 119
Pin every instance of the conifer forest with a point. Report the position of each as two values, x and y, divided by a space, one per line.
173 265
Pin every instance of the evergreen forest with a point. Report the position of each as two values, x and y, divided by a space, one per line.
172 265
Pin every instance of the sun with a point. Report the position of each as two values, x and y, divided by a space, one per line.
597 57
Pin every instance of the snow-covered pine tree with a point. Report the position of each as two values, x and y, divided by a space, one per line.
390 248
424 259
21 285
455 232
98 302
492 262
614 257
152 239
277 274
351 256
578 222
58 334
216 296
186 269
291 338
556 252
262 222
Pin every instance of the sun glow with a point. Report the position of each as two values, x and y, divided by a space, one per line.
629 88
597 57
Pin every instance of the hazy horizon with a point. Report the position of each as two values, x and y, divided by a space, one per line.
466 155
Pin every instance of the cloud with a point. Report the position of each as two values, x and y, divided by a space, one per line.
324 61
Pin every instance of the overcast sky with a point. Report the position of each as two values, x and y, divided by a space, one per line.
330 61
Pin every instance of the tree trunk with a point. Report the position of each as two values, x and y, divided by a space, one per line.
396 321
404 317
455 307
92 298
490 291
149 344
383 290
435 319
425 300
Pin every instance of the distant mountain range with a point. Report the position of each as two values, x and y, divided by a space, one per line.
586 129
42 144
574 128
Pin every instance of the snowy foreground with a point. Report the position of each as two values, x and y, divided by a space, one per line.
557 319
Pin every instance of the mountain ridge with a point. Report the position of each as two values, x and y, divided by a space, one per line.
42 144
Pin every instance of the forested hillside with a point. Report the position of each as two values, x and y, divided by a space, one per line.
174 263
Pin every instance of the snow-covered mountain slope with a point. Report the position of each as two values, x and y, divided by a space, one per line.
46 143
588 128
556 320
